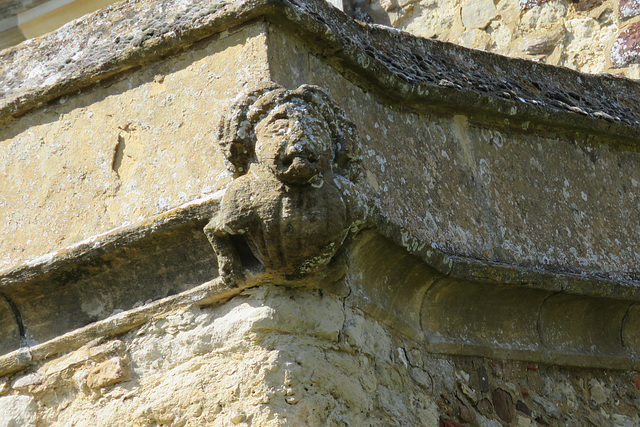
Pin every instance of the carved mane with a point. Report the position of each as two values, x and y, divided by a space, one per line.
236 133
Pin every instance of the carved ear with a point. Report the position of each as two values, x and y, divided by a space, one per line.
236 135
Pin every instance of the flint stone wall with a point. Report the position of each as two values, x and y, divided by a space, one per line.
499 220
592 36
282 357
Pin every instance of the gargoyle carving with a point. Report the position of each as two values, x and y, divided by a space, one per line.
292 154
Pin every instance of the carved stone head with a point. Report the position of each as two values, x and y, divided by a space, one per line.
297 134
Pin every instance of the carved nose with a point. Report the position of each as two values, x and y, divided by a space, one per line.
295 149
300 149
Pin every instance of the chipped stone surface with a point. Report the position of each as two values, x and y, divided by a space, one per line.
478 13
475 38
538 45
17 410
588 44
543 17
109 372
27 382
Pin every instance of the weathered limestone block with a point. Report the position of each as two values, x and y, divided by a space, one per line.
18 410
544 16
478 13
538 45
109 372
475 38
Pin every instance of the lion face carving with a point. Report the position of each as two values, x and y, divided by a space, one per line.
288 150
294 143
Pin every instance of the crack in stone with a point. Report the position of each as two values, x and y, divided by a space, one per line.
18 318
623 322
539 319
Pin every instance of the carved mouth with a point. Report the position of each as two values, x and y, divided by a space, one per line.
299 162
309 161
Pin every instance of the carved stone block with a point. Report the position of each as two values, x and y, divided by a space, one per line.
292 153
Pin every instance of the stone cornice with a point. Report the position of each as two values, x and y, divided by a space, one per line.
411 71
457 273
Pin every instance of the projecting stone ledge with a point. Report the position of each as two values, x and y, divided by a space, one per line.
476 205
409 70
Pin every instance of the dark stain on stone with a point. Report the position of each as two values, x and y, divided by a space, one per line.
464 413
530 4
17 315
483 379
522 407
445 406
585 5
485 407
503 404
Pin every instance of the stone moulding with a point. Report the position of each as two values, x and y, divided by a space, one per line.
104 274
450 310
454 315
410 71
411 285
206 294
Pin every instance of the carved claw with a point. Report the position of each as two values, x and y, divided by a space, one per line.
229 264
232 280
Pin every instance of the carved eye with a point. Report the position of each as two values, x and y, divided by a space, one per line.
279 126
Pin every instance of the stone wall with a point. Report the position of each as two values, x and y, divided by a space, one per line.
592 36
279 356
